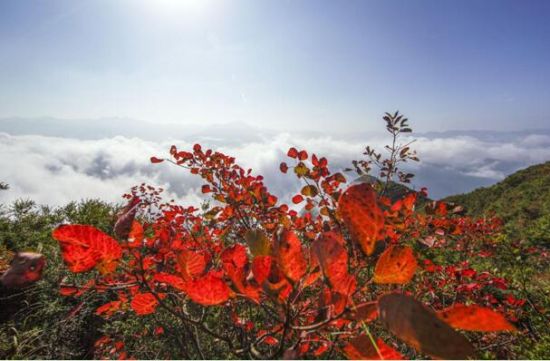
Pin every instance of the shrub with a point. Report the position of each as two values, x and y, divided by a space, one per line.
354 274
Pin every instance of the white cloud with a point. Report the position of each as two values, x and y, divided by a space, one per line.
55 171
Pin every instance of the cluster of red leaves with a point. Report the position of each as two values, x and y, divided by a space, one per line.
316 278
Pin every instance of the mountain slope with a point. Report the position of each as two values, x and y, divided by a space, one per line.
522 200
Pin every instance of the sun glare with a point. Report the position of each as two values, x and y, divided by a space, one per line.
168 8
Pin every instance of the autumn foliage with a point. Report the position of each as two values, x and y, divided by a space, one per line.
353 274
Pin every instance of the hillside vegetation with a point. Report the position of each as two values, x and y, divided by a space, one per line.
522 201
249 277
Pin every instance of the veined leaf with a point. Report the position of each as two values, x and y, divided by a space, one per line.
333 260
358 208
290 255
192 263
475 318
144 303
83 247
208 290
397 264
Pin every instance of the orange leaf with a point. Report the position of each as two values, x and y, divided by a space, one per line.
292 152
234 258
68 290
261 268
83 247
172 280
365 220
418 326
192 263
290 255
475 318
135 237
333 260
109 308
397 264
234 261
144 303
208 290
361 348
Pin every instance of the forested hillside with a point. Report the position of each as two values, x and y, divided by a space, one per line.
522 201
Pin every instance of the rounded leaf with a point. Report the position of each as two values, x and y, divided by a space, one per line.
83 247
333 259
144 303
290 255
364 219
208 290
309 191
475 318
397 264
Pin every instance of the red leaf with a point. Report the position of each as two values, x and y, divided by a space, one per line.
365 220
261 267
156 160
396 265
297 199
83 247
475 318
109 308
135 237
361 348
172 280
270 340
292 153
68 290
208 290
321 349
333 260
302 155
206 189
192 263
290 255
234 260
144 303
283 167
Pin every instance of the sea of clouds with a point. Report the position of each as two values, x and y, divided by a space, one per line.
55 170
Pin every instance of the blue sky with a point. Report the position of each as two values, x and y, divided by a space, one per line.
321 65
